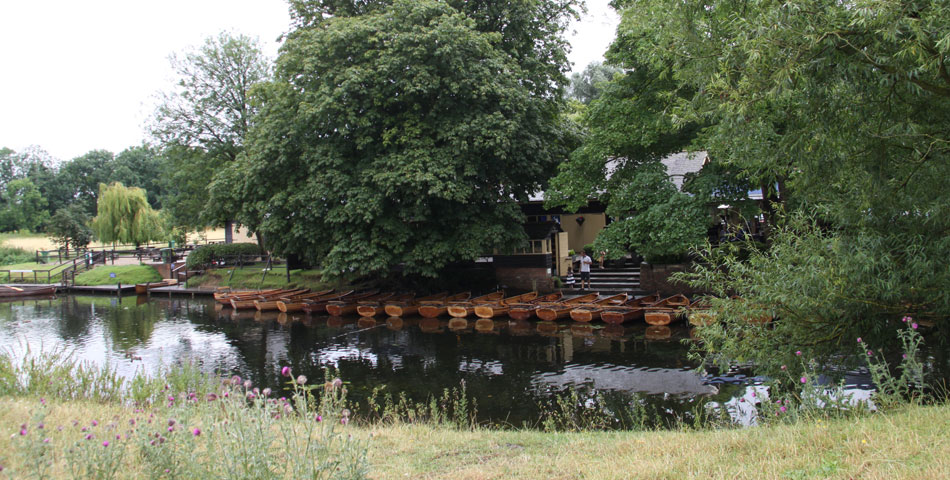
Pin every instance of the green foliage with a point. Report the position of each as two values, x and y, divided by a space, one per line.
203 124
586 86
13 255
846 108
205 254
69 228
124 216
124 274
23 206
416 126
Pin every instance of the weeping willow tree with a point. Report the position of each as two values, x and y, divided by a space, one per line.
124 216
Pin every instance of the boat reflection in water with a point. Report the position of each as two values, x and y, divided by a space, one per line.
658 332
395 323
533 360
366 322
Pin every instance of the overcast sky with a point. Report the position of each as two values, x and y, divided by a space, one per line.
83 75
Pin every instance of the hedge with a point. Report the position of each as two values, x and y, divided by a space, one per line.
205 254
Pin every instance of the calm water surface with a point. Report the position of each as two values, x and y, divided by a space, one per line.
507 367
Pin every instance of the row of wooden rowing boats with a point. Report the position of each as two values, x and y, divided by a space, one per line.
612 309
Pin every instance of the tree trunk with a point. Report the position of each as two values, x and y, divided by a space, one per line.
228 232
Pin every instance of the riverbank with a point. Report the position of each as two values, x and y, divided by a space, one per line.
908 442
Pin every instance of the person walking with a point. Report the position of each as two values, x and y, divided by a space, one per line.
585 269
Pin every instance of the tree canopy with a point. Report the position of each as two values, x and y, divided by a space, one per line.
403 133
840 110
124 216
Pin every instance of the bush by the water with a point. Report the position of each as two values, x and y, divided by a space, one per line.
13 255
205 254
125 274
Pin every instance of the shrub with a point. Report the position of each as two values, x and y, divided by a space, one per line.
205 254
13 256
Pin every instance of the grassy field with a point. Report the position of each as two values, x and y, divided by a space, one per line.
125 274
250 277
910 443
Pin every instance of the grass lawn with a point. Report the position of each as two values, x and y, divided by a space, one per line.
906 443
250 277
125 274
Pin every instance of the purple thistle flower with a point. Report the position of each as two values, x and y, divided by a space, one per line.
285 371
859 339
906 319
783 367
105 443
118 437
870 352
914 326
211 397
95 423
171 429
171 422
337 383
22 431
171 399
196 432
235 380
266 392
319 418
782 408
302 379
45 440
248 384
42 401
89 436
344 421
798 353
804 380
904 356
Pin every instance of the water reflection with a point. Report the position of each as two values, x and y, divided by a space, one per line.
509 366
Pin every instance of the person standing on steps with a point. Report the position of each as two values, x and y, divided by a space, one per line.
585 269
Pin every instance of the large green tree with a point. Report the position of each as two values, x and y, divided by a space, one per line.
23 206
69 227
846 108
124 216
202 124
403 133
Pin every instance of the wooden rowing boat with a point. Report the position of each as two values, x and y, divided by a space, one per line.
628 311
316 304
591 311
524 311
562 309
7 291
371 307
143 288
224 296
700 313
347 305
501 307
406 308
271 304
438 308
464 309
240 303
662 312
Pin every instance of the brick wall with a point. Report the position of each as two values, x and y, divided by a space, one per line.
656 278
525 279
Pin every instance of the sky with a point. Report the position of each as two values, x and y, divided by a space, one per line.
84 75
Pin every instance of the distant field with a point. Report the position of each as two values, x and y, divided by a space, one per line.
33 242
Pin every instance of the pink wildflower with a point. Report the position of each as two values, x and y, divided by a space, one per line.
804 380
285 371
196 432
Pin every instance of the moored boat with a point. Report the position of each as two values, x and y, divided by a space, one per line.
371 307
8 291
347 305
562 309
700 314
501 307
464 309
240 303
630 310
524 311
662 312
271 304
437 308
406 308
591 311
143 288
311 305
224 295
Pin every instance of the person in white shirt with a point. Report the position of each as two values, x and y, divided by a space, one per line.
585 269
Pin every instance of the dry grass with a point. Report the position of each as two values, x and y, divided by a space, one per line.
912 443
908 443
